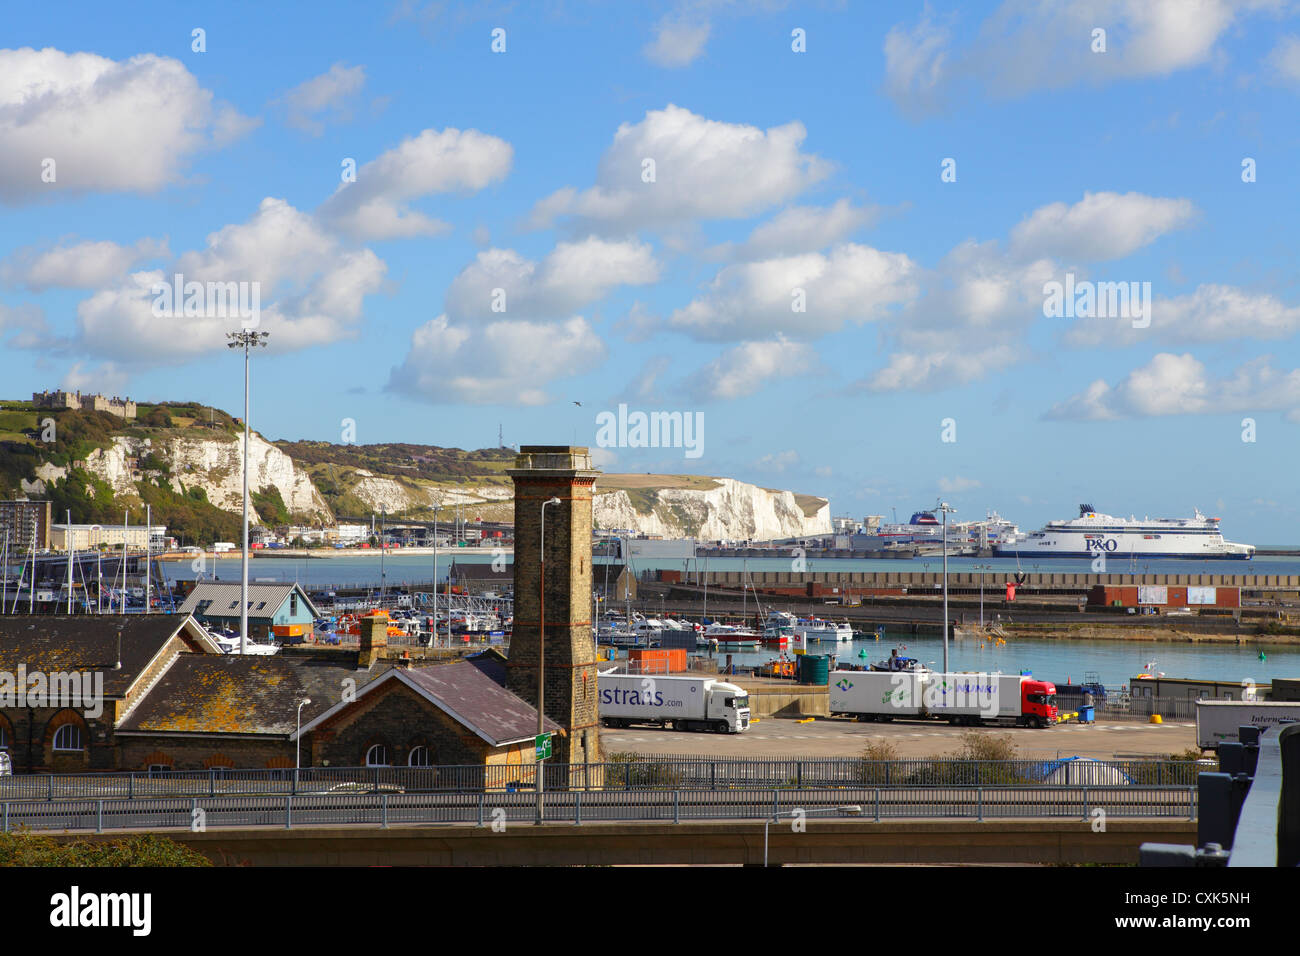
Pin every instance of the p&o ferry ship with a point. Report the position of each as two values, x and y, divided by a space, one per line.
1094 533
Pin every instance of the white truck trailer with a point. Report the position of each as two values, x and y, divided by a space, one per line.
684 703
1218 720
957 698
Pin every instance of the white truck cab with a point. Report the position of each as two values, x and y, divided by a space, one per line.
681 702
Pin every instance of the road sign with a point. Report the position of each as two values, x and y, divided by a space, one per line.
543 742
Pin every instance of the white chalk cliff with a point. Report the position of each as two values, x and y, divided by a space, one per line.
214 465
733 510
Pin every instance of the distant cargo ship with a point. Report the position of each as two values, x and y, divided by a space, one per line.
1094 533
925 528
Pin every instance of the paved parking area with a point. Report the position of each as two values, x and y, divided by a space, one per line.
837 737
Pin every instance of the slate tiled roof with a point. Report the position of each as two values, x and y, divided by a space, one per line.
87 642
223 595
469 694
237 694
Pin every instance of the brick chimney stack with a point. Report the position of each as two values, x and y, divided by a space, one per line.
540 473
374 639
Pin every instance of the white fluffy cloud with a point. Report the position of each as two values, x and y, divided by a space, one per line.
1180 385
1100 227
108 125
84 265
24 327
743 370
323 97
957 484
1025 46
940 367
571 276
501 363
677 42
376 206
915 63
968 322
778 461
107 378
1211 313
1284 60
310 288
976 307
800 229
851 283
703 169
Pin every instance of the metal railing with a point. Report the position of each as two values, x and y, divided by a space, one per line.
578 807
1268 829
637 773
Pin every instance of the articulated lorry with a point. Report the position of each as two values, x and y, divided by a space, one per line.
1218 720
683 703
963 699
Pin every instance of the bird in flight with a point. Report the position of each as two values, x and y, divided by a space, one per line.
579 404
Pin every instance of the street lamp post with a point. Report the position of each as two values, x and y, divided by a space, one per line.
541 650
433 639
943 506
851 810
297 742
246 339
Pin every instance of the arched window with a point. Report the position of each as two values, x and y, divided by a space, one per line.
377 756
419 757
68 738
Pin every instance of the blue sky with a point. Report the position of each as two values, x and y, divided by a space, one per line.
775 171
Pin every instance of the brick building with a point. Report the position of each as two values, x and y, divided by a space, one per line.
540 473
172 702
120 656
235 710
458 714
24 521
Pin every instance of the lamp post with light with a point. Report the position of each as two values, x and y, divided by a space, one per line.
247 339
541 652
945 508
297 742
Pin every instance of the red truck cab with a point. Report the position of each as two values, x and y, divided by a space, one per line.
1038 703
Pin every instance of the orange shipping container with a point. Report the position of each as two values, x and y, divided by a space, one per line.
673 657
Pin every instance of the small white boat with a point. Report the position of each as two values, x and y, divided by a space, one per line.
815 629
229 643
729 636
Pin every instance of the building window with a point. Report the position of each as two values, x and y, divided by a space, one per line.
419 757
377 756
293 604
156 769
67 738
4 738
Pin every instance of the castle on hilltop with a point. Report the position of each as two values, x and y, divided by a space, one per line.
123 408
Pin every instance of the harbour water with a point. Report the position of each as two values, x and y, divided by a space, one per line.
1115 661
